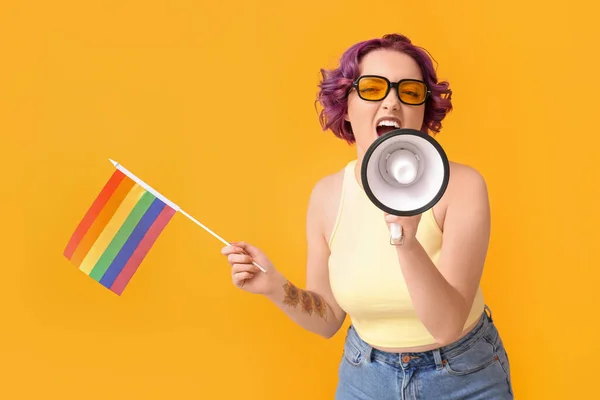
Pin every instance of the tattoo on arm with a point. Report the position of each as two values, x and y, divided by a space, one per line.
309 301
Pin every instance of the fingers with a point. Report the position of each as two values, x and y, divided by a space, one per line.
241 277
238 268
247 247
237 258
241 253
227 250
390 218
239 247
240 273
395 218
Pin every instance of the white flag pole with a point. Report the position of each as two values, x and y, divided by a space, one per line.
171 204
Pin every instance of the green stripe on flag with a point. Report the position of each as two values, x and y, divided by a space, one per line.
122 235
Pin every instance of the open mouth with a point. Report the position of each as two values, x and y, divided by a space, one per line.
386 125
382 130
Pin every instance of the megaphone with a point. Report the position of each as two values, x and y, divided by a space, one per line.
404 172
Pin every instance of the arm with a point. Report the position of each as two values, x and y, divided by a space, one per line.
313 308
443 296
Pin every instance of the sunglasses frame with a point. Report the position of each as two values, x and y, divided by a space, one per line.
390 85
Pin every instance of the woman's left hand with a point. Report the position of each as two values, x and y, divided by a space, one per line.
409 226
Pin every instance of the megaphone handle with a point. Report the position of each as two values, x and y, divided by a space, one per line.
396 236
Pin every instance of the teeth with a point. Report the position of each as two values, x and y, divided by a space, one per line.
387 122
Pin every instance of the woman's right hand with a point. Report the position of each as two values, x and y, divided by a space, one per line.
246 275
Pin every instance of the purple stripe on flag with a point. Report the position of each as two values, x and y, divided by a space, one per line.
132 242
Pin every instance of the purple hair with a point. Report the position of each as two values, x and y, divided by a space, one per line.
336 84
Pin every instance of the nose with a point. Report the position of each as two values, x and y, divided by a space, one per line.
391 102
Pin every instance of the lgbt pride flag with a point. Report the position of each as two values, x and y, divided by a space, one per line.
119 229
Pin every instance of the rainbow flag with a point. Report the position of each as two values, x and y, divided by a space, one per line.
119 229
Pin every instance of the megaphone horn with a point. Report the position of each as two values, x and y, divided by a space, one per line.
404 172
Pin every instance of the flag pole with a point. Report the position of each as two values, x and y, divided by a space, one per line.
172 205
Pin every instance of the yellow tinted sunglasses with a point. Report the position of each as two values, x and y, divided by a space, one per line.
375 88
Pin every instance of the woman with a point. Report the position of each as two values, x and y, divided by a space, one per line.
420 328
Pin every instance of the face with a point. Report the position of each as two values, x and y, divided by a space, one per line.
364 116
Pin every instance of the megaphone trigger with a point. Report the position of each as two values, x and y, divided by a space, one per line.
396 236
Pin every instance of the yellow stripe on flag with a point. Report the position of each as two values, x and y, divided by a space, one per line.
111 228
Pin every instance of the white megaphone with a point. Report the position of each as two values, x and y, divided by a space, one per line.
404 172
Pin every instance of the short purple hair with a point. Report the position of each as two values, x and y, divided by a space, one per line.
336 85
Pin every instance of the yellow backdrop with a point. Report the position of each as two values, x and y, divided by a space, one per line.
212 104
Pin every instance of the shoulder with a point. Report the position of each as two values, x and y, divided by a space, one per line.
327 186
465 182
468 200
466 192
465 177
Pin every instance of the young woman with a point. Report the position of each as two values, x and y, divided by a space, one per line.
420 327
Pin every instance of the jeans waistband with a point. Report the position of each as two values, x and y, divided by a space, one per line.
425 358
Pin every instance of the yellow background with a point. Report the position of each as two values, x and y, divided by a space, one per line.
211 103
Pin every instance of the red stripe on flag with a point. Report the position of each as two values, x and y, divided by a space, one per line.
140 252
97 206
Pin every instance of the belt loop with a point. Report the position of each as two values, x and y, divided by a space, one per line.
368 352
488 313
365 348
437 356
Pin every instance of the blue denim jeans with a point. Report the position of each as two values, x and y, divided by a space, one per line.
474 367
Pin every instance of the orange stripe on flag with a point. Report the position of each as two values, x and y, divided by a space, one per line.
102 220
107 191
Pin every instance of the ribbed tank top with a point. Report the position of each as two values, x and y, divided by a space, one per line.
365 275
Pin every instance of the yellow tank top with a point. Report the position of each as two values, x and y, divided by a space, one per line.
366 278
